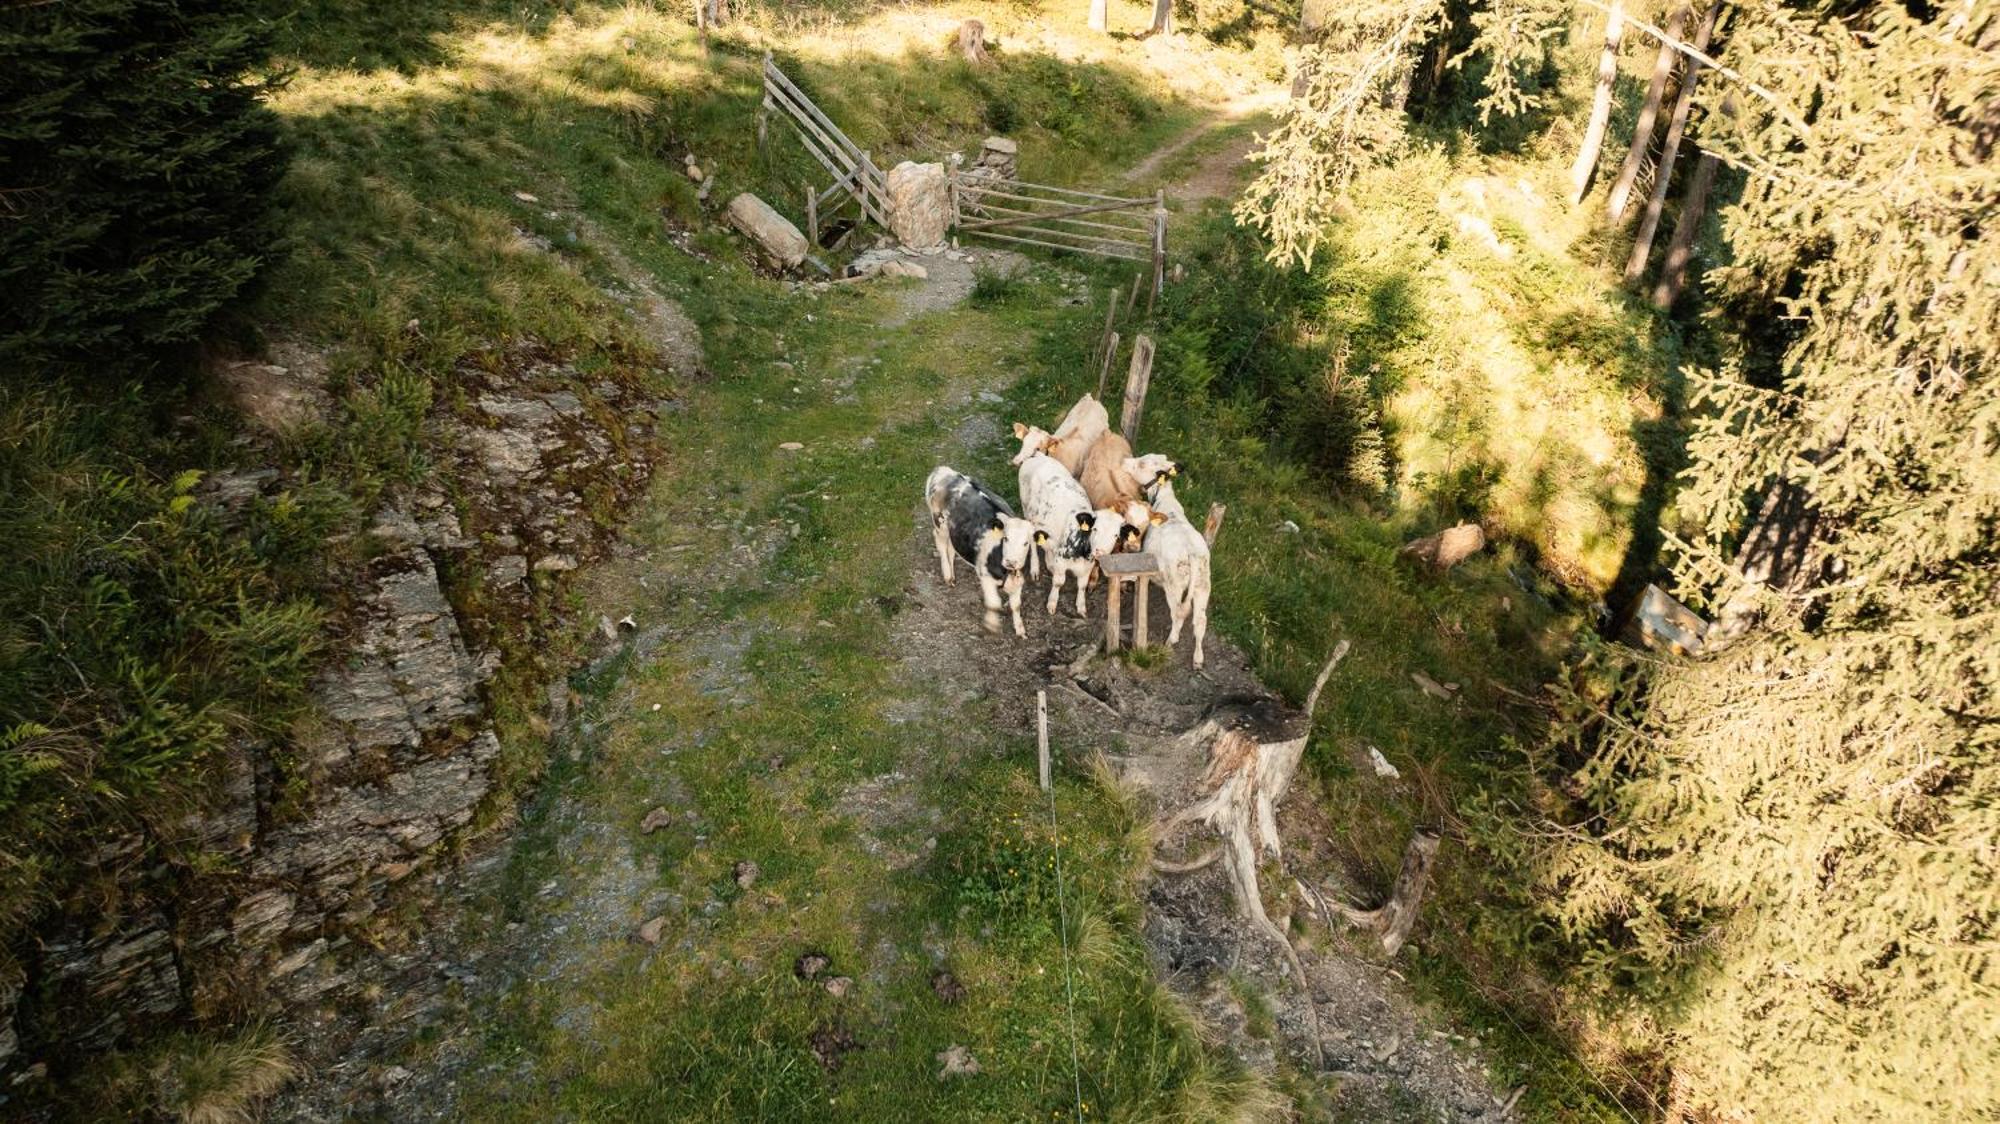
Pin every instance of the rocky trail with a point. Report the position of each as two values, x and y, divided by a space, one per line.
736 590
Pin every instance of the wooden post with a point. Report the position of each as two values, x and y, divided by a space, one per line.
1111 623
1137 378
1098 22
812 217
1132 301
1143 602
1104 368
1110 318
1042 736
1159 247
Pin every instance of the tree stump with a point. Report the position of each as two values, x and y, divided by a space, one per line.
972 42
1447 548
1393 919
1254 746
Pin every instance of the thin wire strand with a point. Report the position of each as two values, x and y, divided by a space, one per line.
1062 930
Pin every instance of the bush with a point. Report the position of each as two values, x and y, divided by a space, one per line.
136 164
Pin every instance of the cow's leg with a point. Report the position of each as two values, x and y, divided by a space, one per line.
989 593
1014 605
1057 571
1177 611
1083 609
1200 614
942 537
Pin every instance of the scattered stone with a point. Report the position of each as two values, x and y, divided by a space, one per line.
1447 548
746 874
1664 624
790 446
904 269
947 987
649 933
1289 527
809 965
777 239
274 398
554 563
525 197
1382 767
1432 687
395 1075
655 820
628 623
839 986
1389 1048
956 1061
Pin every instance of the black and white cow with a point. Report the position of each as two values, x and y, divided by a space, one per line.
1074 536
971 520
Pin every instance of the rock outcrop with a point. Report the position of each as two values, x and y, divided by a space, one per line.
778 241
397 759
919 204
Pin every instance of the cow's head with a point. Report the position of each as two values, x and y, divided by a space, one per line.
1014 538
1150 470
1108 531
1034 439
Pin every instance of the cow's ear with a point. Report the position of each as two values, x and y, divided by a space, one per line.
1041 538
997 527
1085 520
1020 430
1158 518
1173 469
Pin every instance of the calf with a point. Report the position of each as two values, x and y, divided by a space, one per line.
1181 551
969 518
1110 484
1074 535
1071 442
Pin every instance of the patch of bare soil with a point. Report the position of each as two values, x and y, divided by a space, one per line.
1219 173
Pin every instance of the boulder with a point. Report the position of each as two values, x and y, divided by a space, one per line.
777 239
1448 547
919 204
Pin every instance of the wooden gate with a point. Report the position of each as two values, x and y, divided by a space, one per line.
1062 218
855 176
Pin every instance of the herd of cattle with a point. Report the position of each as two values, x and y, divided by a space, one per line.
1084 496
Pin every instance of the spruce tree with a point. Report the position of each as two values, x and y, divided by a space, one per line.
136 164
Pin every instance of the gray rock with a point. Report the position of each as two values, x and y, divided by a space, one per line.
508 569
919 204
114 983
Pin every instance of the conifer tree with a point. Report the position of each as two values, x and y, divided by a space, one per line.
136 163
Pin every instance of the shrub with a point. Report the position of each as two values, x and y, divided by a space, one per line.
136 161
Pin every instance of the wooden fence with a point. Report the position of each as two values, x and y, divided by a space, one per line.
1061 218
855 176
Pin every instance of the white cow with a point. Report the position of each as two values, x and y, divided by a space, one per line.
1180 550
970 519
1073 535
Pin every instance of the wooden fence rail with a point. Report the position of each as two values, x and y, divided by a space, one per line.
1042 215
853 172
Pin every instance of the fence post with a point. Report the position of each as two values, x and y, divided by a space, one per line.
1132 301
1110 317
812 216
1042 736
1104 368
1159 247
763 111
1137 378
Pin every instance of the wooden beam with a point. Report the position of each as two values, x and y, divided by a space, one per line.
1042 736
1137 378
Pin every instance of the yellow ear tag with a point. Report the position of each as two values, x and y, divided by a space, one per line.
994 532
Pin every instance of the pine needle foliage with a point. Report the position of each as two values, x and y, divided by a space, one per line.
1791 847
136 164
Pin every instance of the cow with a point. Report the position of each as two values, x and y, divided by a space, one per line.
1073 535
1071 442
970 519
1180 550
1108 484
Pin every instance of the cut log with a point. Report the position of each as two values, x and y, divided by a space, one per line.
1656 200
1447 548
1600 106
972 41
1393 919
1680 248
1098 22
1649 115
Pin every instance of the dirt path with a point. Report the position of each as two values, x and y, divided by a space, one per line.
712 736
1218 173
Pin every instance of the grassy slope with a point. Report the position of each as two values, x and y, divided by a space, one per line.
405 193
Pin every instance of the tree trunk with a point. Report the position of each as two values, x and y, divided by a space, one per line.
1773 556
1673 271
1163 17
1600 106
1098 19
1656 201
972 42
1649 116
